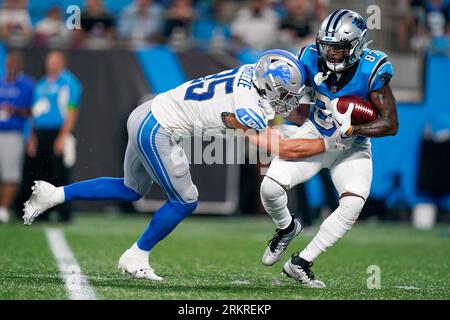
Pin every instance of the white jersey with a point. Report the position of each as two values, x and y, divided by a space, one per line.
197 106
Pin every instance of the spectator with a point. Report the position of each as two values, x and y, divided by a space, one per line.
432 19
51 30
299 23
433 14
141 23
256 25
179 16
55 110
97 24
224 11
15 22
16 93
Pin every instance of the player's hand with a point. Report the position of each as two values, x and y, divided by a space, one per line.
321 77
335 142
58 146
343 120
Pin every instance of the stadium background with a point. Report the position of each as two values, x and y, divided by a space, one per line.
116 78
409 169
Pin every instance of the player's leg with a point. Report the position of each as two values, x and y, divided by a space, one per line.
166 162
281 176
45 195
352 176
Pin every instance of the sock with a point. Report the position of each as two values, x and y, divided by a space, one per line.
274 200
334 227
100 189
58 196
164 221
290 227
138 250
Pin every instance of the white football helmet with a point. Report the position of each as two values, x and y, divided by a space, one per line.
280 79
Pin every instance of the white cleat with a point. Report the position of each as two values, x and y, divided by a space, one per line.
137 266
278 244
299 269
43 197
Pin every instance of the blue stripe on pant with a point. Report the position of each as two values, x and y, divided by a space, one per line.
173 211
147 146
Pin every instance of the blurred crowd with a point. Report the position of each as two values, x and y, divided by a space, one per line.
422 24
228 24
255 23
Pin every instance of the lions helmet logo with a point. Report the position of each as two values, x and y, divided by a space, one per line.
281 72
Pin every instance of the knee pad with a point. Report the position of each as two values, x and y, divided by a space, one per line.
184 208
270 190
350 207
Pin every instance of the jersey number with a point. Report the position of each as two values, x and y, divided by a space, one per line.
370 56
224 77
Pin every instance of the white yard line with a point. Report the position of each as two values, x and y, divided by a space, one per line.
75 281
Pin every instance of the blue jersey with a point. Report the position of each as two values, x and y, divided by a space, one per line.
52 100
370 73
18 94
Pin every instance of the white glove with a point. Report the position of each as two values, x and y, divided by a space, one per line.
321 77
335 142
343 120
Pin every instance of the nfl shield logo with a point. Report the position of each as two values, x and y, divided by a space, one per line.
333 89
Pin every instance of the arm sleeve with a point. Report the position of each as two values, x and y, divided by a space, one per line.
248 110
381 77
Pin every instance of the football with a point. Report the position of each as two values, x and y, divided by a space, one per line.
363 112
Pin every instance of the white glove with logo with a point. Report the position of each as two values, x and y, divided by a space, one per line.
321 77
343 120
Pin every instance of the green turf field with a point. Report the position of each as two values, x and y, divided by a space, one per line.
219 258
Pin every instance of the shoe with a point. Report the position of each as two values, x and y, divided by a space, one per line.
300 270
4 215
43 197
278 244
137 266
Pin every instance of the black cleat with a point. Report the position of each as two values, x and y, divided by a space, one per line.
300 270
278 244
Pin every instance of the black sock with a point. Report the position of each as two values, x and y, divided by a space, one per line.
289 228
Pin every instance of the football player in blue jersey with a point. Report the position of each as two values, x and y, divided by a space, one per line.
337 64
242 98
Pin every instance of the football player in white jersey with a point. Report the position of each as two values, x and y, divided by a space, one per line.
338 64
242 98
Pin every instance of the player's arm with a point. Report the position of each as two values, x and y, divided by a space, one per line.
387 123
287 149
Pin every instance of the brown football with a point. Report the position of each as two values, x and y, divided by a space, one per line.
363 112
